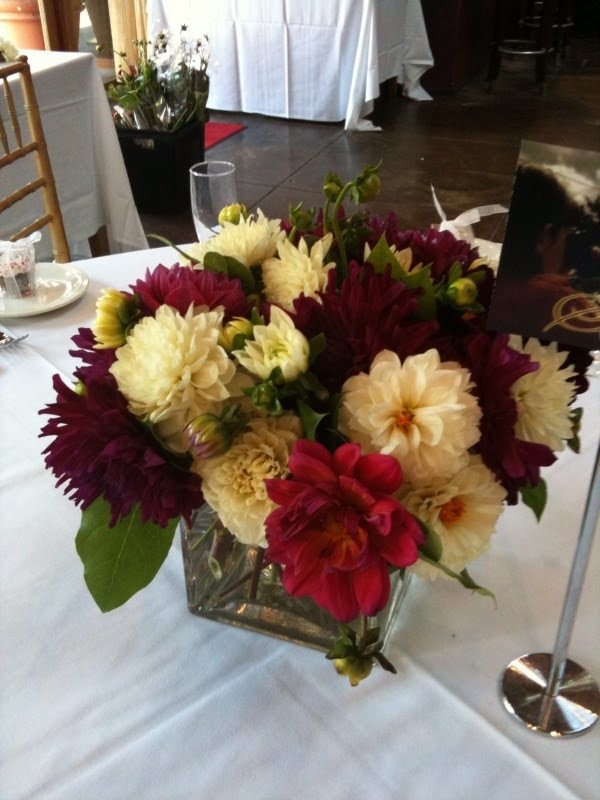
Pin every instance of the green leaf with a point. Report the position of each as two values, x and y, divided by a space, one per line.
215 262
535 497
455 272
371 637
310 419
317 344
432 547
119 561
342 647
574 443
463 578
381 256
387 665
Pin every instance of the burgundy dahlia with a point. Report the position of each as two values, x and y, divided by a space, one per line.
371 312
180 287
101 450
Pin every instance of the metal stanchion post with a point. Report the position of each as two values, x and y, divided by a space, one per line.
550 693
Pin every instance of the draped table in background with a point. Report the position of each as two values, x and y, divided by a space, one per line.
151 702
88 167
304 59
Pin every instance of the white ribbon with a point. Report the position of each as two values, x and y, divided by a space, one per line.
461 225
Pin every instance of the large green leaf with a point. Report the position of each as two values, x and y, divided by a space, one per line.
119 561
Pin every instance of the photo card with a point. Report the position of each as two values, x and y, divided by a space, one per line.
548 281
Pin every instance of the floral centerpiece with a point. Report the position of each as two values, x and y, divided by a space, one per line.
8 52
167 88
327 384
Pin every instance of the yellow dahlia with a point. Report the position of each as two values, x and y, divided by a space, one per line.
251 241
171 369
233 484
420 411
463 510
544 397
278 344
115 313
297 270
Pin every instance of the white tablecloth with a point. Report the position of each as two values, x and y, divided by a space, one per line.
304 59
151 702
86 159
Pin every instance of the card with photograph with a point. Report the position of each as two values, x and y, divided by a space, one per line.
548 281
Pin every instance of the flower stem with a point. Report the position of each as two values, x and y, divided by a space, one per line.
337 231
258 565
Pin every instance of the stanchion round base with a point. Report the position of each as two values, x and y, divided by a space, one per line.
575 708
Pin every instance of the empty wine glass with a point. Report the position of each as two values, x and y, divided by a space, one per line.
212 187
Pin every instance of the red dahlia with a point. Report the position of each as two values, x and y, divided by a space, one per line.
338 530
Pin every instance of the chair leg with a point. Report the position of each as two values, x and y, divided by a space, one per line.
494 67
99 243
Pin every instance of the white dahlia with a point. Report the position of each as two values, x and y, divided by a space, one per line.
171 368
296 271
233 484
420 411
544 397
250 242
278 344
463 510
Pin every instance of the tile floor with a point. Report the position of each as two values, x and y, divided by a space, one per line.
465 144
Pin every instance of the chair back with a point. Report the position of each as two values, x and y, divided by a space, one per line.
34 145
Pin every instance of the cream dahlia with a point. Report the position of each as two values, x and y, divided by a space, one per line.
419 411
544 397
171 368
251 241
278 344
297 270
233 484
463 510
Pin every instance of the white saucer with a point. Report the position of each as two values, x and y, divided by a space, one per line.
57 285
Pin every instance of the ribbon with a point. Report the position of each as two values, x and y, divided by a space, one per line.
461 225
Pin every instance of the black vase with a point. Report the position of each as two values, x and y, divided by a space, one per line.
158 164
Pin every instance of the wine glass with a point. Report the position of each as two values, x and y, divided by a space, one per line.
212 187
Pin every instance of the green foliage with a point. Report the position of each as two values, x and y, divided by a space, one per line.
382 257
120 561
535 497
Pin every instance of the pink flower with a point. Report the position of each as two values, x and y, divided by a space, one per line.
338 530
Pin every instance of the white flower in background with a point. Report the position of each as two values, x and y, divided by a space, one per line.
463 510
233 484
171 368
250 242
278 344
296 271
420 411
8 52
544 397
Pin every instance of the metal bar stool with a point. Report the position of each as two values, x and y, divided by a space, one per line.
537 46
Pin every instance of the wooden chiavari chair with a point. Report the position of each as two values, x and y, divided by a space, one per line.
18 147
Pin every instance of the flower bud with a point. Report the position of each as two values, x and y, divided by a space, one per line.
238 326
207 436
80 388
462 292
368 188
332 189
115 314
233 213
355 668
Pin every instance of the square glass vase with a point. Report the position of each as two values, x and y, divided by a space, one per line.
232 583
